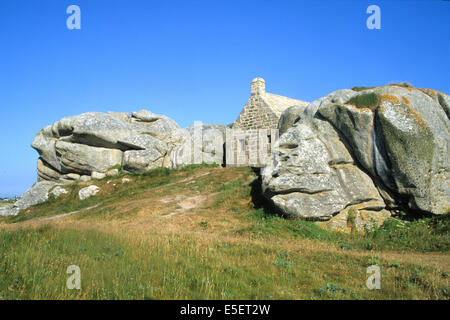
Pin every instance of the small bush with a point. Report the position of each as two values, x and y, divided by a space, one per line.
366 100
351 216
117 166
361 88
424 234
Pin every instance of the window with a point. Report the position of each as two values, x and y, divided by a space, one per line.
242 145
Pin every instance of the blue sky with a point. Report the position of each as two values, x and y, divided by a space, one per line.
194 60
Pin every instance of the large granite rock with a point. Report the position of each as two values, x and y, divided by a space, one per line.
151 154
340 155
88 192
315 176
290 116
196 144
46 172
404 144
415 133
93 143
84 159
9 210
146 122
92 128
58 191
37 194
355 219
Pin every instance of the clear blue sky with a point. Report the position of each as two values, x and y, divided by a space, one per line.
194 60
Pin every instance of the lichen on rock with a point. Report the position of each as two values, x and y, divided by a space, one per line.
385 145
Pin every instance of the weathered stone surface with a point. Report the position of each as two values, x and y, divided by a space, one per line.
146 116
150 155
88 192
98 175
444 102
9 210
85 178
197 144
289 117
335 157
95 142
143 142
356 126
124 116
72 176
44 143
85 159
37 194
335 97
93 129
57 191
356 220
209 145
315 176
112 173
179 149
417 141
403 144
146 122
45 172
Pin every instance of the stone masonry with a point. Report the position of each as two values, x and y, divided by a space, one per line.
263 109
255 128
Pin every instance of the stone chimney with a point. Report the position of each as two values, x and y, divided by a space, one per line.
258 87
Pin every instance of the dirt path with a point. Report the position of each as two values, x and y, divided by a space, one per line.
300 246
183 214
36 222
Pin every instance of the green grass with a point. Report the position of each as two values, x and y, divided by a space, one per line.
141 182
226 248
117 166
197 166
361 88
401 84
4 202
424 235
366 100
178 267
55 206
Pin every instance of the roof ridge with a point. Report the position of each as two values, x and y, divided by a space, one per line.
279 103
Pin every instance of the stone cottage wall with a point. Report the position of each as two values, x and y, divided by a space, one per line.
256 115
253 132
251 147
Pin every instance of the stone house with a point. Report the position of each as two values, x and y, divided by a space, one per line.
258 121
263 109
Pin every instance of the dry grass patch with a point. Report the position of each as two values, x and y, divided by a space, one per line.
196 234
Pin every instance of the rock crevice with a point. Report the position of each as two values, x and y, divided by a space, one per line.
393 154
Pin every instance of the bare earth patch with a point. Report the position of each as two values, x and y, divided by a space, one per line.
205 208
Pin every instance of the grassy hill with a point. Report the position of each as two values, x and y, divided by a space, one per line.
201 233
